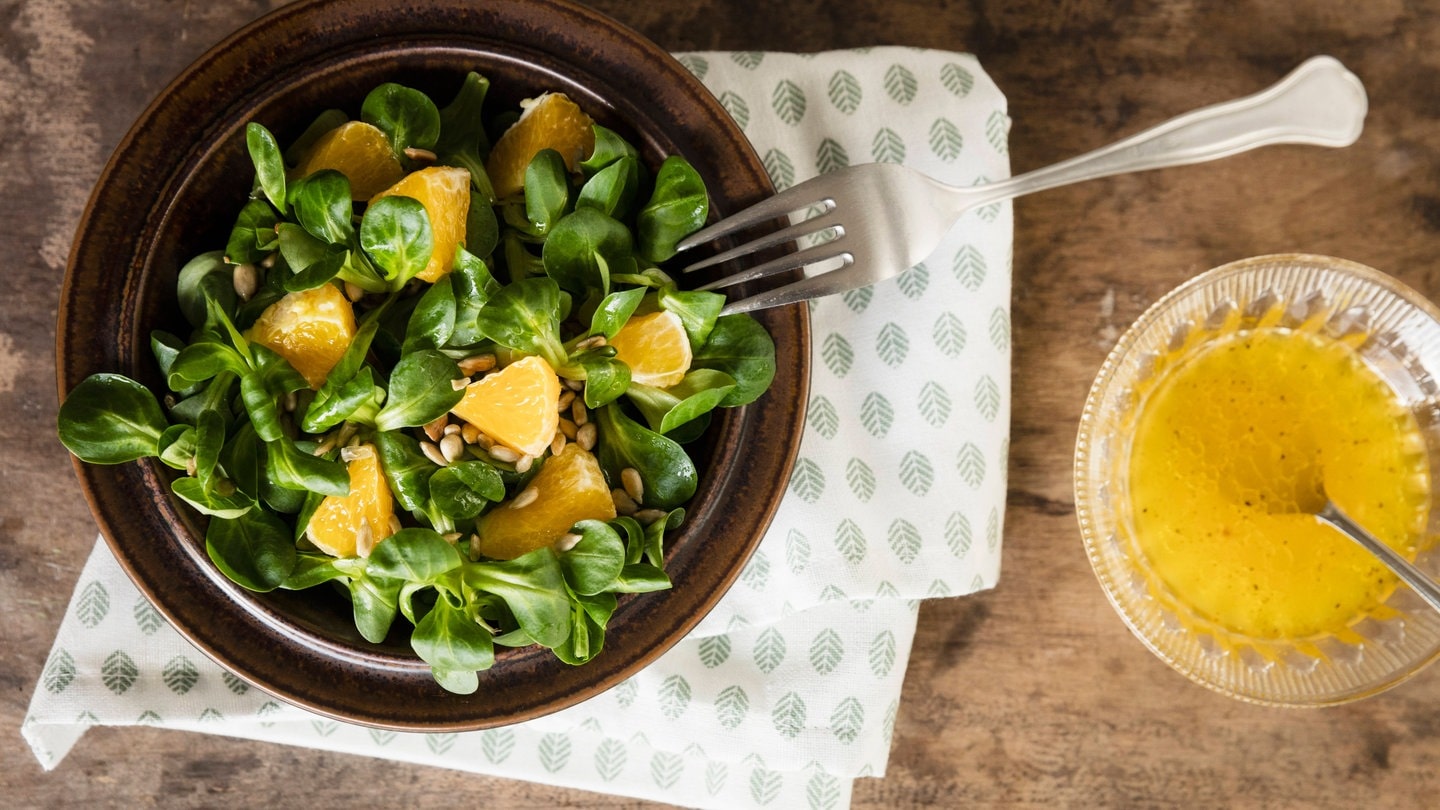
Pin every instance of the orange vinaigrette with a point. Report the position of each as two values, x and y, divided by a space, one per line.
1227 441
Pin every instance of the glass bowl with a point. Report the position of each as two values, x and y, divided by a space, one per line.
1396 333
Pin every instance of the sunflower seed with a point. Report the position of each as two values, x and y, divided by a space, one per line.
460 384
477 364
568 428
191 467
634 486
451 537
527 496
592 342
624 504
578 412
451 428
436 428
418 154
500 452
469 433
433 453
523 465
324 447
585 436
452 447
557 445
567 542
395 526
246 281
648 516
354 291
573 385
482 441
269 261
364 539
566 397
349 453
292 401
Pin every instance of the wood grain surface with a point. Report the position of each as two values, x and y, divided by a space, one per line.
1031 694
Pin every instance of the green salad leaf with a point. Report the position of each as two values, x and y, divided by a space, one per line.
407 117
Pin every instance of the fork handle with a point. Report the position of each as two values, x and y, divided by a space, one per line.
1320 103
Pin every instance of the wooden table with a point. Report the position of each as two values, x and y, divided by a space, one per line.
1034 693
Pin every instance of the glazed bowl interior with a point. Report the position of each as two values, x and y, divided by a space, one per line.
1396 333
172 190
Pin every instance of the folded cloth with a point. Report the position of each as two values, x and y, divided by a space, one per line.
789 689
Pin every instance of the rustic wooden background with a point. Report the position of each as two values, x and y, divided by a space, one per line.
1032 694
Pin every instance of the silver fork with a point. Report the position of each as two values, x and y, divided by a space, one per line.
881 218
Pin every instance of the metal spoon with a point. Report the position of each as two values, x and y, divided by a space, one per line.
1418 580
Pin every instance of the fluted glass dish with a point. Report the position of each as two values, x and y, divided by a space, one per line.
1396 333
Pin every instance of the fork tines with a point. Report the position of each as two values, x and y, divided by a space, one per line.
820 220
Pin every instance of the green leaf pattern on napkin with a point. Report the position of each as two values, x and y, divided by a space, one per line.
92 604
844 91
118 672
790 688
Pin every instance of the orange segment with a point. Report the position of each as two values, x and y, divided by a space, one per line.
359 151
515 406
655 347
311 329
336 525
445 193
551 121
570 488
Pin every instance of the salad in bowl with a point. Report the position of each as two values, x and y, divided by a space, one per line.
437 369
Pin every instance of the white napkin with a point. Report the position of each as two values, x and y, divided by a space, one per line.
789 689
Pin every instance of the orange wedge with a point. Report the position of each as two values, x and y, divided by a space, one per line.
515 406
445 193
551 121
359 151
655 347
570 488
337 523
311 329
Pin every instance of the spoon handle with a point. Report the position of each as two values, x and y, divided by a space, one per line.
1418 580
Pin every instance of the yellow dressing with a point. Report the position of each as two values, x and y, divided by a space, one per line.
1230 444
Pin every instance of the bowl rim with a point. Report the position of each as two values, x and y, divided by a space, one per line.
623 57
1087 496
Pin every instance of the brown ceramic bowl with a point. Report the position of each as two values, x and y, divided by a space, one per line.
171 191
